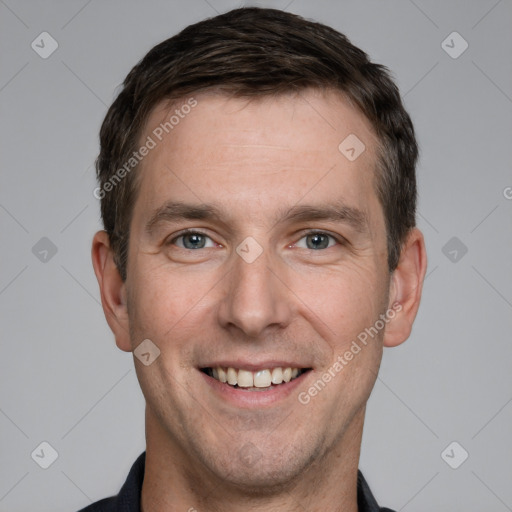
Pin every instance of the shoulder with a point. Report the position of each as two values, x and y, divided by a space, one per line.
365 500
105 505
128 499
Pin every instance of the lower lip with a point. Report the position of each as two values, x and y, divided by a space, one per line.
245 398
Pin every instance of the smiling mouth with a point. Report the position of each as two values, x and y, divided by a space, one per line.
261 380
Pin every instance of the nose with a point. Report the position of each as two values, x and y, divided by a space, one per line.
255 297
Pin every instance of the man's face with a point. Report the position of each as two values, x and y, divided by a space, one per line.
256 244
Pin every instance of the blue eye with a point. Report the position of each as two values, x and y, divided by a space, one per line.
193 240
317 241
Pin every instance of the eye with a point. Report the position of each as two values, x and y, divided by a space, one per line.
316 240
193 240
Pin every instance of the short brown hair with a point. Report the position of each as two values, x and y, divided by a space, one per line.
252 52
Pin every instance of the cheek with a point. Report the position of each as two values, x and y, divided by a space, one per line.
162 300
347 300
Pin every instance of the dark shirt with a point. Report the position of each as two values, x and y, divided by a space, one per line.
128 499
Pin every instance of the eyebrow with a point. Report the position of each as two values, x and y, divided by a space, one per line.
173 211
338 212
176 210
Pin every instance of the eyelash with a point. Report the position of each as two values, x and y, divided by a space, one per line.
338 240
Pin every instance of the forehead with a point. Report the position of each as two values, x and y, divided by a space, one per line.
268 151
216 119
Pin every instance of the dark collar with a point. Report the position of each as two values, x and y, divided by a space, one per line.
128 499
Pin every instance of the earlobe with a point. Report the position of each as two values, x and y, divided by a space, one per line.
112 289
406 287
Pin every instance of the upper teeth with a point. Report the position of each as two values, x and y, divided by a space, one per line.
259 379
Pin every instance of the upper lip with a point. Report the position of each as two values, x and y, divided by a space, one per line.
255 366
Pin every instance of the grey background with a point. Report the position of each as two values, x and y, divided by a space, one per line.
64 381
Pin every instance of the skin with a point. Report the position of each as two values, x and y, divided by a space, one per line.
255 160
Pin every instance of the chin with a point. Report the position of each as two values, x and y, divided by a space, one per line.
262 479
260 470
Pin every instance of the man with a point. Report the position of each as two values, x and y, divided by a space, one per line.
257 186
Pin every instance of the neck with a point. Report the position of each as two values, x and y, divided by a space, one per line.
177 481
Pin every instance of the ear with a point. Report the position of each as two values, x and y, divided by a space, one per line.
112 289
405 289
